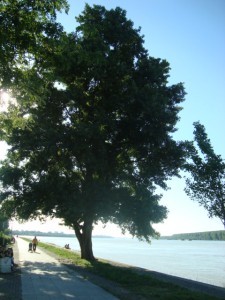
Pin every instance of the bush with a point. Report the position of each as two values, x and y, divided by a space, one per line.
4 239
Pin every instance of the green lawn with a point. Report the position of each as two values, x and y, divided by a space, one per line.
140 285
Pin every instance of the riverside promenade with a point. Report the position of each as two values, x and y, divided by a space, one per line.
39 276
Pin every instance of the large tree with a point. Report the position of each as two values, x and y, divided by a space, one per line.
206 183
94 144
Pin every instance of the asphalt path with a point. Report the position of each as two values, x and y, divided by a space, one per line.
41 276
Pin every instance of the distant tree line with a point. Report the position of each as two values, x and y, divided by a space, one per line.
208 236
52 234
39 233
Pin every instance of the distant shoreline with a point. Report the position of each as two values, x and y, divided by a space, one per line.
52 234
218 235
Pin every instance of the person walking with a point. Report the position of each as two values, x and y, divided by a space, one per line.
34 243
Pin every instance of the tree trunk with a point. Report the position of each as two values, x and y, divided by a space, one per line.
84 235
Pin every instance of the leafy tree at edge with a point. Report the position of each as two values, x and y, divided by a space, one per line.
206 183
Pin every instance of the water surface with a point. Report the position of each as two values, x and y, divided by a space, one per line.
202 261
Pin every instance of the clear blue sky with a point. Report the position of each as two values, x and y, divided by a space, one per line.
190 35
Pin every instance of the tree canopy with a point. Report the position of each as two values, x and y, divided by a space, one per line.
27 27
94 139
206 183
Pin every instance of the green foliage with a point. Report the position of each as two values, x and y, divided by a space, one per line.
97 148
26 27
207 182
4 239
4 229
4 223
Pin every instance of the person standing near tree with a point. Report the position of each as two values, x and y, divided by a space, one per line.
34 243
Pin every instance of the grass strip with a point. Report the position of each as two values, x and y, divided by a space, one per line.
139 284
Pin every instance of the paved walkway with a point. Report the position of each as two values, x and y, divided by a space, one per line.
40 276
43 277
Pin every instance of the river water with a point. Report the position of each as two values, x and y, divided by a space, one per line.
202 261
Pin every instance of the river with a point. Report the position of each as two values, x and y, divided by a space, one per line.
202 261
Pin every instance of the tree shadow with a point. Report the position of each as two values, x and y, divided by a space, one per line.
55 280
10 285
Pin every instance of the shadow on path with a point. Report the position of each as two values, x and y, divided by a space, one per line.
10 283
55 281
